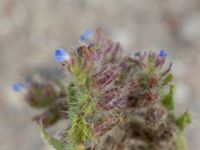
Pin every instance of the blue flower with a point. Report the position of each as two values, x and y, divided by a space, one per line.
18 87
61 55
163 53
86 35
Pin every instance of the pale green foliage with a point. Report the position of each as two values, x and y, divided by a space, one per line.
184 120
72 101
80 106
167 79
79 132
56 144
168 100
180 142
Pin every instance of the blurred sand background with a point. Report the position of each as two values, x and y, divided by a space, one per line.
30 31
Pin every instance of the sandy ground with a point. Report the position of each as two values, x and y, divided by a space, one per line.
31 30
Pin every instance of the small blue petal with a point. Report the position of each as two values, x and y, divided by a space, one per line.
61 55
163 53
86 35
18 87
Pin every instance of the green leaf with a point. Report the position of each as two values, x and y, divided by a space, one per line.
56 144
180 142
184 120
72 101
168 100
167 79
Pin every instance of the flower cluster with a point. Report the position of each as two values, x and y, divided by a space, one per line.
110 97
46 95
